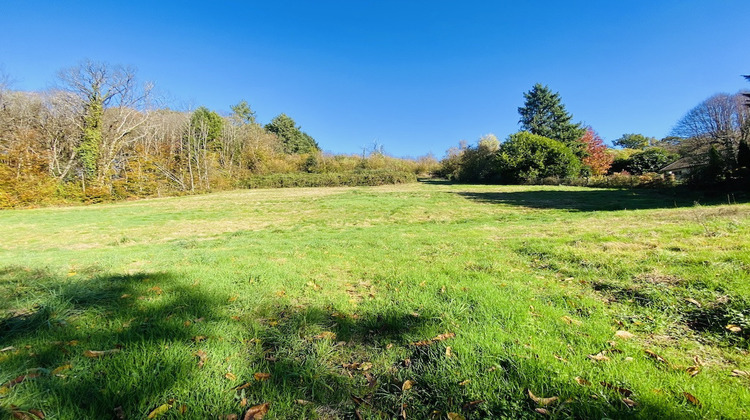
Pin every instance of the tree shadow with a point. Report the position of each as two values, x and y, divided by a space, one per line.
322 361
598 200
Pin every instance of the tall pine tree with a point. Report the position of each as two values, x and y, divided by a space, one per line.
544 114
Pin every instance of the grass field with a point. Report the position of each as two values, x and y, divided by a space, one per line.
421 300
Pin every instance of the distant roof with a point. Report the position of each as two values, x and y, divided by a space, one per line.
684 163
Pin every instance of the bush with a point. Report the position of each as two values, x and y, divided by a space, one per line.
525 157
340 179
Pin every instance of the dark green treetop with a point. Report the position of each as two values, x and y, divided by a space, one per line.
544 114
293 140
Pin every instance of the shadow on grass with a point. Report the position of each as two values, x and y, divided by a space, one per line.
598 199
339 365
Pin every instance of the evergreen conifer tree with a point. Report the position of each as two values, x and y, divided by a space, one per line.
544 114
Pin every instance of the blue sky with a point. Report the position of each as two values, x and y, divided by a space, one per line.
413 76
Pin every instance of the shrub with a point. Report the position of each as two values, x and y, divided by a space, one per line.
336 179
525 156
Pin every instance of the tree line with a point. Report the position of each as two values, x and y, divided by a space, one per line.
711 141
100 134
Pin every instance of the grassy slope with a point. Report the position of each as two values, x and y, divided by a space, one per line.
532 280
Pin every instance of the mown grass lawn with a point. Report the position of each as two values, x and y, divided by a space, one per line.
423 300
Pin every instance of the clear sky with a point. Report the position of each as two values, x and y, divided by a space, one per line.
413 76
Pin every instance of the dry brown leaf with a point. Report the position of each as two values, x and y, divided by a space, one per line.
624 391
243 402
540 400
125 296
734 328
187 323
656 357
472 404
302 402
455 416
202 356
582 381
630 403
281 293
561 359
738 372
448 352
464 382
256 412
624 335
570 321
93 354
439 337
692 399
408 384
365 366
326 335
693 370
231 376
694 302
20 415
243 386
542 411
156 289
232 298
599 357
199 338
262 376
37 413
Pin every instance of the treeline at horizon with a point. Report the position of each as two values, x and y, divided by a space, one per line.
101 135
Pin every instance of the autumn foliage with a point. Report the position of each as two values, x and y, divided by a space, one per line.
596 157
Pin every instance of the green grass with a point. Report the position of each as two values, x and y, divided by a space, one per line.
304 284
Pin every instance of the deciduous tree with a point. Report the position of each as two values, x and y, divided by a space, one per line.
597 158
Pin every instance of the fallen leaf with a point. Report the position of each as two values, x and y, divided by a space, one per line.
470 405
570 321
365 366
243 402
72 273
562 359
540 400
326 335
159 411
183 409
448 351
314 285
464 383
455 416
692 399
630 403
408 384
656 357
125 296
9 348
202 356
13 382
187 323
624 391
260 376
243 386
21 415
541 411
157 290
302 402
734 328
256 412
60 369
744 373
624 335
599 357
281 293
694 302
93 354
693 370
582 381
439 337
199 338
231 376
232 298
